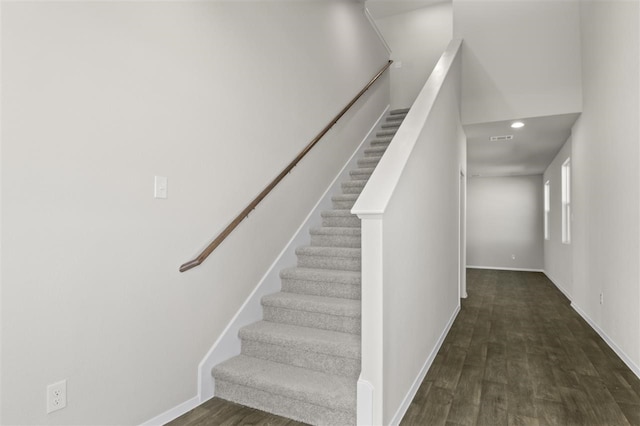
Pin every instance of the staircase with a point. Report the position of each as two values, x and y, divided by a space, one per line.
303 360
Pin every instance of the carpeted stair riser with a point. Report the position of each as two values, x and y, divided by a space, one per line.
340 219
344 201
326 351
282 406
326 313
320 288
386 133
381 143
303 360
320 282
340 258
336 237
343 324
374 152
353 187
294 392
369 162
334 365
401 111
361 174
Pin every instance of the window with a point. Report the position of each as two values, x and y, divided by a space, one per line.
566 201
547 209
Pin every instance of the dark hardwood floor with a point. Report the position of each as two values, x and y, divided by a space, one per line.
517 354
219 412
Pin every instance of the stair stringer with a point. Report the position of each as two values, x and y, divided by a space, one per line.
228 344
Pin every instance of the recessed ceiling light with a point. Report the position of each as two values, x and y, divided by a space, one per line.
517 124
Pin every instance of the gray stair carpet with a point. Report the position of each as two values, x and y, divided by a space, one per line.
302 361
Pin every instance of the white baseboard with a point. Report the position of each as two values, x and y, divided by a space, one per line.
559 286
228 344
173 413
423 372
502 268
635 368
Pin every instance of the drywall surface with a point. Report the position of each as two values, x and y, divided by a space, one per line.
606 177
521 58
409 211
417 39
558 257
504 220
100 97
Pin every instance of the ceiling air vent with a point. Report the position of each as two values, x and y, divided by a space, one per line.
501 138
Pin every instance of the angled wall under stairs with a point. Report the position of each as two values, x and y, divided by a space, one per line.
302 360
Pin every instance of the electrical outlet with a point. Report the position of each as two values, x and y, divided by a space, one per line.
513 257
56 396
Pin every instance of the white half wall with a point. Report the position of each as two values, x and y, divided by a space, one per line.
521 58
504 222
417 39
558 257
606 176
409 211
100 97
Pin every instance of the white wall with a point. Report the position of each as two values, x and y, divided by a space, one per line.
504 219
558 257
98 97
417 40
521 58
409 212
606 199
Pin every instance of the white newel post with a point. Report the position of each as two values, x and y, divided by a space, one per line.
370 383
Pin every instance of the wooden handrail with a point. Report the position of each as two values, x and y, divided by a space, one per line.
225 233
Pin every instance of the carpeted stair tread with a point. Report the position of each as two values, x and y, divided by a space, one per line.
375 152
304 338
384 133
382 142
336 212
322 275
319 304
391 125
334 230
399 111
395 118
329 251
299 384
345 197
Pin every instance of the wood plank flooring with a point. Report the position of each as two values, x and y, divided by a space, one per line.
517 354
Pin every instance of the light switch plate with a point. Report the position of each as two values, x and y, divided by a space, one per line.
160 187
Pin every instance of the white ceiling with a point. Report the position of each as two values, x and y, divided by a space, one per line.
383 8
533 146
530 152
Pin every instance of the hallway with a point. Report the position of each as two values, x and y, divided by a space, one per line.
517 354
